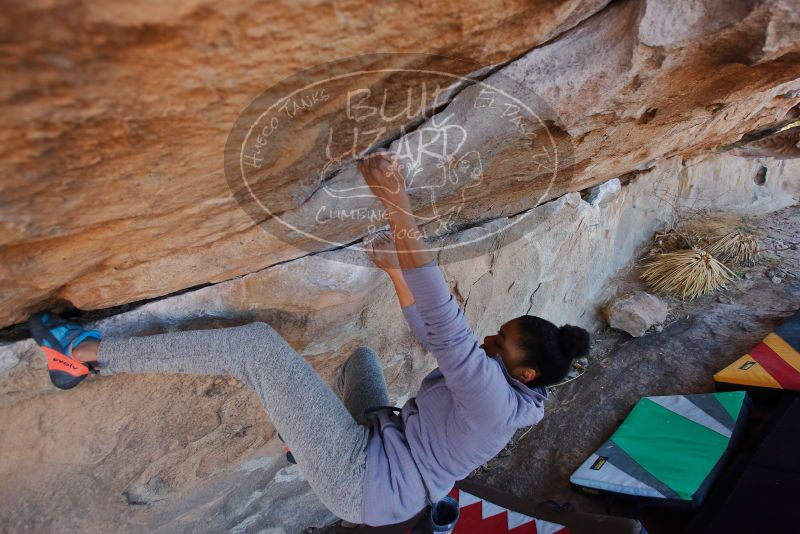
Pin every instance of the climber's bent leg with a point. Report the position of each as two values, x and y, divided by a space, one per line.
360 383
329 445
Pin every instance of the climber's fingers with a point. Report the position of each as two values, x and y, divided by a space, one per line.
382 171
385 237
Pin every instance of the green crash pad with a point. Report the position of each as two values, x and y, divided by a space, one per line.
668 450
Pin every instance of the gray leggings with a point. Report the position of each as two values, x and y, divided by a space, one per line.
324 431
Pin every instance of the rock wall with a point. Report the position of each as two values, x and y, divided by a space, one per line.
200 450
116 117
115 123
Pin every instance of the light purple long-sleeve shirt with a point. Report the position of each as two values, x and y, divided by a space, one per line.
464 413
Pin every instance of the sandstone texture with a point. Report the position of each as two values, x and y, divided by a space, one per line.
784 144
604 193
158 453
582 128
636 313
115 123
116 114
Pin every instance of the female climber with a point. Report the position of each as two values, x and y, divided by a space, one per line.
366 465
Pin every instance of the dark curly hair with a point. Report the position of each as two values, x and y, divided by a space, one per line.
549 350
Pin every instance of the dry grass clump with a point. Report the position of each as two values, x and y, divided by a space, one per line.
687 273
695 254
718 224
669 241
737 248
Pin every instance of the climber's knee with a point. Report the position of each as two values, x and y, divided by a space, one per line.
362 356
263 334
263 346
260 327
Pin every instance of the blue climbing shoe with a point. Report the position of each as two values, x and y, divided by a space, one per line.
57 338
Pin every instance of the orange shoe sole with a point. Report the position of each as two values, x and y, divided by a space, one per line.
65 372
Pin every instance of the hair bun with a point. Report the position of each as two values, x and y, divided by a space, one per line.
574 341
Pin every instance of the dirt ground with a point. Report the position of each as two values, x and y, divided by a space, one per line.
699 338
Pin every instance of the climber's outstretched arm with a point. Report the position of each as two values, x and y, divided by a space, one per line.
380 249
385 179
409 307
475 381
404 295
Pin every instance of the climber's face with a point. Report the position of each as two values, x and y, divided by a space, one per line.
507 345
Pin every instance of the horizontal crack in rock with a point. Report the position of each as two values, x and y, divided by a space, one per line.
18 332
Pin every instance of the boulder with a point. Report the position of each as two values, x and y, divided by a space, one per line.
199 450
636 313
115 127
116 188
